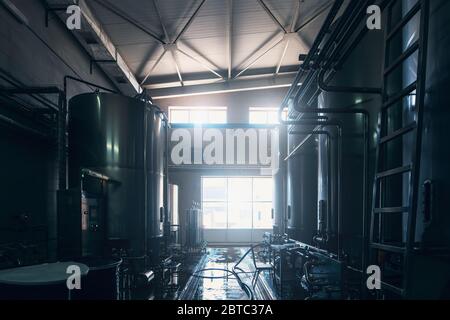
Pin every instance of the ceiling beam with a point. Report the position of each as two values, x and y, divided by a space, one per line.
188 24
230 39
154 66
106 42
199 62
288 40
272 16
158 13
314 16
280 62
295 16
110 7
257 56
235 85
172 49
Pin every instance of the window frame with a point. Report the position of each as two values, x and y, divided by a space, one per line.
191 109
228 203
266 111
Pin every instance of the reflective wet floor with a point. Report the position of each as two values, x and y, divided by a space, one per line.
212 282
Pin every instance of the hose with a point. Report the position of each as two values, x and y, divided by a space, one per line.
245 287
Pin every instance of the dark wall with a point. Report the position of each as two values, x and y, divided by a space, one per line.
34 55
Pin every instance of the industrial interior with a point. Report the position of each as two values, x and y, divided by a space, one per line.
224 150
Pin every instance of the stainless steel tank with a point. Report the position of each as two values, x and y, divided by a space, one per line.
346 199
279 186
122 138
302 190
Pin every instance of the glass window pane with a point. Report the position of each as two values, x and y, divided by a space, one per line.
240 215
272 117
240 189
214 189
179 116
218 116
262 189
214 215
198 116
262 215
257 117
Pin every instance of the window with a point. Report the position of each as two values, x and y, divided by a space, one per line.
265 115
198 115
237 202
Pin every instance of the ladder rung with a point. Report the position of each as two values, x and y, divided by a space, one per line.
405 55
400 95
391 210
404 20
392 288
399 133
388 248
394 172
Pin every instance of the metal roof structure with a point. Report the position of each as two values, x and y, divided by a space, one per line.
176 47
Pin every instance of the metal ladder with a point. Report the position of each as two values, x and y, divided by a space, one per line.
379 247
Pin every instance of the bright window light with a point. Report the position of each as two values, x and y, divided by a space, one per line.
237 202
265 115
198 115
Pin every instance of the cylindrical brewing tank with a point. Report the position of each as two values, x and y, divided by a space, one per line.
279 185
122 138
362 69
302 190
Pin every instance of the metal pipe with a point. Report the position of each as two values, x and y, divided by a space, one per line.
312 53
343 29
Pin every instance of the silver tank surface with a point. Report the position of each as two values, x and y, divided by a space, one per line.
279 186
122 138
302 190
362 69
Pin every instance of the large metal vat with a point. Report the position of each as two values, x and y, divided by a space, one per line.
349 196
279 186
302 190
123 139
